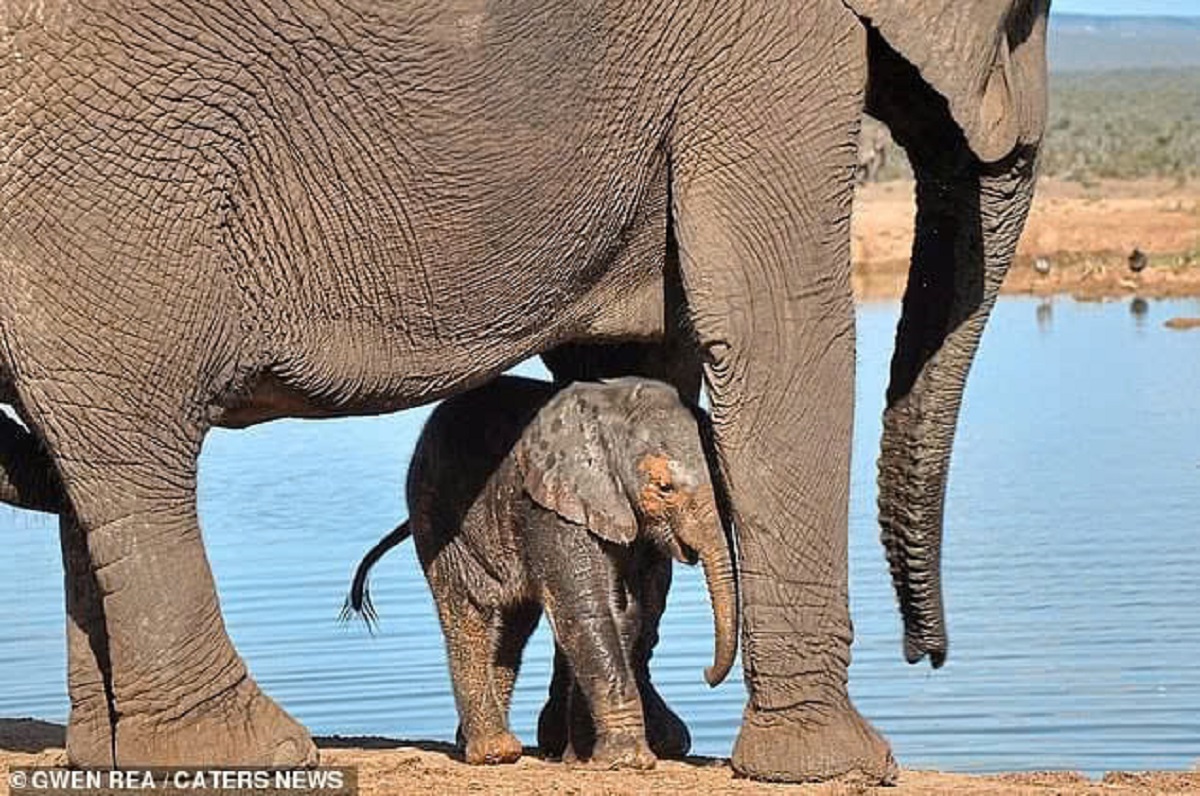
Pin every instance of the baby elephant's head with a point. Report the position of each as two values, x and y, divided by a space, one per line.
625 459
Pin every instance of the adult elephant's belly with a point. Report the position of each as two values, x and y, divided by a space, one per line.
353 374
355 366
396 326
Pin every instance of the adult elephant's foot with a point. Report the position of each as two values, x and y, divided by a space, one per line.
666 733
238 727
788 746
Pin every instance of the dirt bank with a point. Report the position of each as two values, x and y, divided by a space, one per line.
397 768
1084 233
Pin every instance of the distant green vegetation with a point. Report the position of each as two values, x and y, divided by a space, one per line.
1124 124
1117 124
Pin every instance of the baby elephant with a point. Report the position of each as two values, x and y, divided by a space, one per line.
522 499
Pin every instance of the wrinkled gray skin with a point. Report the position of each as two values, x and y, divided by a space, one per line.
217 215
523 499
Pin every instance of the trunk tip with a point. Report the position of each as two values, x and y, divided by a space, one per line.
915 649
715 675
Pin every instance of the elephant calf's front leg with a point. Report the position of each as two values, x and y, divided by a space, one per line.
608 689
589 633
666 733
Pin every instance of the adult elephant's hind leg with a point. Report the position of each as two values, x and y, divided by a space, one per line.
90 739
762 193
28 479
182 696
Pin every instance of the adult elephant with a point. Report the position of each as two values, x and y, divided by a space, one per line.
216 215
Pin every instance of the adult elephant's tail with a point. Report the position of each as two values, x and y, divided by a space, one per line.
359 599
972 140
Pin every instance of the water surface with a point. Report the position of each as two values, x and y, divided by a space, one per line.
1072 566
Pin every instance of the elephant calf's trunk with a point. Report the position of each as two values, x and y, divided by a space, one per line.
723 590
717 562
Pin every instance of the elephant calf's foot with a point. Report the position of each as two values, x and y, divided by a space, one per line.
500 747
666 733
238 727
617 751
787 746
552 728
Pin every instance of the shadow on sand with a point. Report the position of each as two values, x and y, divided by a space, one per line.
32 736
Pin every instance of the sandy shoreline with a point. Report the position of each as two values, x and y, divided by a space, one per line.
396 768
1086 233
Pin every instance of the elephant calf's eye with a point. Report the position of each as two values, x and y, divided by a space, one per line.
666 489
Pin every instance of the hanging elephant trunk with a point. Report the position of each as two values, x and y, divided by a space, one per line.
970 214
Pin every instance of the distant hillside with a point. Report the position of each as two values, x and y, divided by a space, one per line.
1124 101
1082 42
1122 123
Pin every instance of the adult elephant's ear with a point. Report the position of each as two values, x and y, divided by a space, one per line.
985 57
564 465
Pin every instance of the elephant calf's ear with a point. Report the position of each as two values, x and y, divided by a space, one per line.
565 468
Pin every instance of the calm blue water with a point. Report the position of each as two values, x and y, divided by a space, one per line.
1072 567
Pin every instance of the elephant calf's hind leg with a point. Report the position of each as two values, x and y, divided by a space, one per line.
510 632
471 649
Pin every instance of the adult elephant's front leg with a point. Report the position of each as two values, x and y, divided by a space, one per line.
762 193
